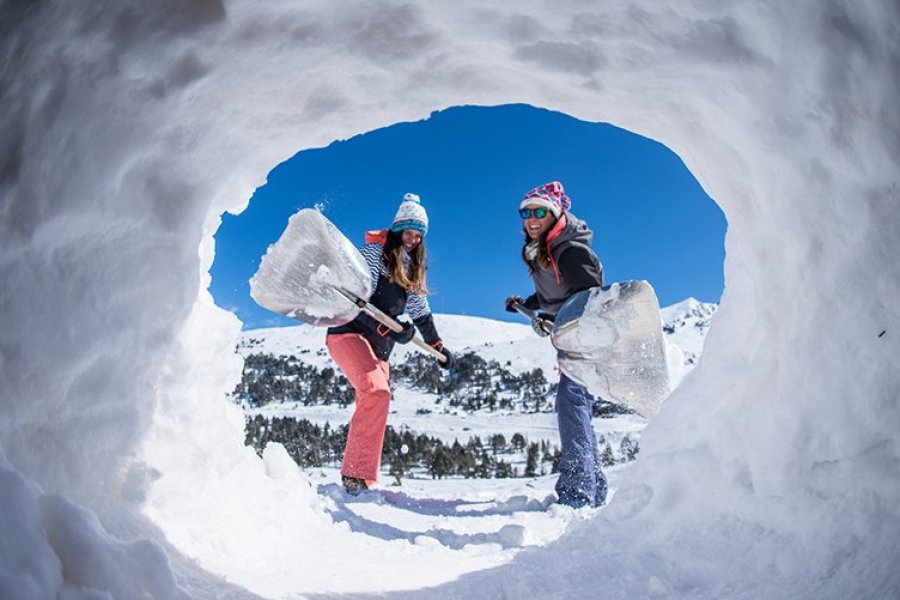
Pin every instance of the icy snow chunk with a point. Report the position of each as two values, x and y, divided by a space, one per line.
278 462
301 274
610 340
512 536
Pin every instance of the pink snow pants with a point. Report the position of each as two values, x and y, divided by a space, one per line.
369 376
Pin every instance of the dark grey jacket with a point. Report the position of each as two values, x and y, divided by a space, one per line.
574 267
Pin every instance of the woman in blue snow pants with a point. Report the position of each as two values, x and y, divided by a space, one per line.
560 260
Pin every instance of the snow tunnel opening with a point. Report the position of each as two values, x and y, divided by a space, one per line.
758 95
470 165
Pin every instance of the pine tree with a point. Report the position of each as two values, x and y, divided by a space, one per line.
607 459
531 462
485 466
503 470
628 448
498 442
518 441
557 458
397 468
441 463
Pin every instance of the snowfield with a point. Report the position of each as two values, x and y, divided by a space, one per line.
128 128
492 340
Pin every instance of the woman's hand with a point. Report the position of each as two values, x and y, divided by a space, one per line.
451 360
542 325
405 335
512 301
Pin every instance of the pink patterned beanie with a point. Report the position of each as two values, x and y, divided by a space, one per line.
551 196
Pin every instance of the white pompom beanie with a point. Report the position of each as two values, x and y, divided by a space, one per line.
411 215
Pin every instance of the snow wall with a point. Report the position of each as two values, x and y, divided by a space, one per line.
127 128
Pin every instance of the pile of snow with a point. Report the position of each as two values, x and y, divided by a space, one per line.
125 131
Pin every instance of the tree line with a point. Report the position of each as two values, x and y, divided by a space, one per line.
406 453
268 379
475 385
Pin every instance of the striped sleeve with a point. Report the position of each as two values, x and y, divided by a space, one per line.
417 305
372 253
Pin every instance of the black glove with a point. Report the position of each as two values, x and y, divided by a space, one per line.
541 325
513 300
405 335
451 360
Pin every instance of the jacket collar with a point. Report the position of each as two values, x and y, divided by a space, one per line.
377 236
557 229
554 233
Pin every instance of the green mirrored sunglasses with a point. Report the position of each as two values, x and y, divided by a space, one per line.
539 212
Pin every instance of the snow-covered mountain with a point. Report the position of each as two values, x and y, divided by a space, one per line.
685 325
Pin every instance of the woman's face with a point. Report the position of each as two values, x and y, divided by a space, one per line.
410 239
536 227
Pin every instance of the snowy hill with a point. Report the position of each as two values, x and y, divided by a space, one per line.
512 345
685 325
497 340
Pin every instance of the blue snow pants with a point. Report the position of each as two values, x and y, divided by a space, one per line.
581 481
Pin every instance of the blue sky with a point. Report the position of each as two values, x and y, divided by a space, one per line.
471 166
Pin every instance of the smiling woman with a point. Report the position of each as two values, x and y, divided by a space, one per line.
652 220
396 261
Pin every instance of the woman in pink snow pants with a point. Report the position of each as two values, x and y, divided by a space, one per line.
396 259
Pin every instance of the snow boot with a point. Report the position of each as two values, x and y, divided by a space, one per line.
354 485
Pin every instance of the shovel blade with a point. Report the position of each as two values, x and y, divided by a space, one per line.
611 341
300 274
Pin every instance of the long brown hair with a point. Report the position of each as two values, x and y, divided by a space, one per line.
542 259
414 281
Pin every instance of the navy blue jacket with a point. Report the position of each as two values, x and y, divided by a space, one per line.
392 299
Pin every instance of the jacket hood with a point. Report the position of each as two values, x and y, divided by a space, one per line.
574 230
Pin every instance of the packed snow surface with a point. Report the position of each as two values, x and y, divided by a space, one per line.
125 131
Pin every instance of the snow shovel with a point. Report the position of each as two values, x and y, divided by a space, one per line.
610 340
315 275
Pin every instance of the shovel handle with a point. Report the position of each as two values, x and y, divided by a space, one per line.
531 316
389 322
